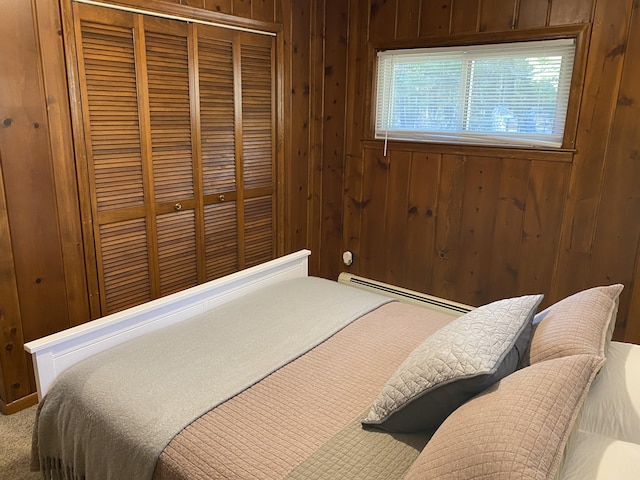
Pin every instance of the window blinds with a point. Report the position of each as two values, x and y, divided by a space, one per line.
504 94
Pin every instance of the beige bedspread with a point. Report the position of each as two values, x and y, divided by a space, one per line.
303 421
111 416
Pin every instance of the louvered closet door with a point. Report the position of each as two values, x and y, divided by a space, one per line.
258 120
179 127
217 105
237 124
174 182
114 151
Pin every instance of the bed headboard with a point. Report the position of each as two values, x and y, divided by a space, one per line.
55 353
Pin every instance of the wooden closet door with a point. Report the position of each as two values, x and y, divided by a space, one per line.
115 155
169 74
237 124
217 113
179 131
257 67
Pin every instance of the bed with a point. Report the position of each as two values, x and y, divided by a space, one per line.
269 373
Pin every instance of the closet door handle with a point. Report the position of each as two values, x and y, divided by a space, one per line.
177 207
221 197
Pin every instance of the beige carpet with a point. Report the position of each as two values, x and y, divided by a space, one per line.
15 445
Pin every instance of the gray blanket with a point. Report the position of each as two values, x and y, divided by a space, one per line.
110 416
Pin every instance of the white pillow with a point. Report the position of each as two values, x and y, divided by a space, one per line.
594 457
612 407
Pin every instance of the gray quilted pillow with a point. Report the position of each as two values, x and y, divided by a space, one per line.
454 364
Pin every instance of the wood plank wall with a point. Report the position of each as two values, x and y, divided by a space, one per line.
475 224
36 226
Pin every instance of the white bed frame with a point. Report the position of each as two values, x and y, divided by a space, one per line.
55 353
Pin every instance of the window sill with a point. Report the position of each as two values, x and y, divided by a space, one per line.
552 155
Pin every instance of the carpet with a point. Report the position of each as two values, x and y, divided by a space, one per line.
15 445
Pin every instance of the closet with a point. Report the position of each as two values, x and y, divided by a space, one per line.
175 125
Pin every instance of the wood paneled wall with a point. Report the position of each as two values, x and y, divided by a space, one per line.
476 224
36 225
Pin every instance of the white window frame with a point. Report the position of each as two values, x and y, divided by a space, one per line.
384 99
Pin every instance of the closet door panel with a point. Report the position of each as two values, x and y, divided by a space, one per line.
257 90
112 128
125 264
217 110
167 60
258 230
221 239
113 147
177 251
258 112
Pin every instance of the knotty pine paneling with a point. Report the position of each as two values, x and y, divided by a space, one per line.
382 19
402 19
572 11
509 228
333 131
449 203
499 225
464 16
460 226
533 14
373 254
544 209
37 265
399 174
264 10
27 170
497 15
316 114
615 230
357 123
13 363
481 177
408 19
595 154
297 78
419 236
438 20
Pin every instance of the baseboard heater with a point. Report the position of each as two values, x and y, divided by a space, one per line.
405 295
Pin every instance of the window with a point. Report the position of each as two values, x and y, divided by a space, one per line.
498 94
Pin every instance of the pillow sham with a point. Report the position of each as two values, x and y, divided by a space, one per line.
595 457
612 407
518 428
581 323
457 362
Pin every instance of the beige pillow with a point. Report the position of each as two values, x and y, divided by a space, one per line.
581 323
518 428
